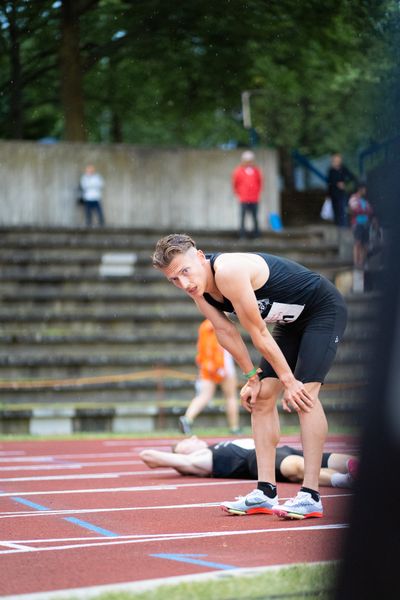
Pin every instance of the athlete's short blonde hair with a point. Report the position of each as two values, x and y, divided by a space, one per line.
169 246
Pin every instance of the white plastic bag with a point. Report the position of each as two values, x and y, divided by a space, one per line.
327 210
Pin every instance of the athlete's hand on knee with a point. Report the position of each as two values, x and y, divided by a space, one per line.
245 397
249 393
296 396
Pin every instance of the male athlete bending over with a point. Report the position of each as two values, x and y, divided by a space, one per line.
309 317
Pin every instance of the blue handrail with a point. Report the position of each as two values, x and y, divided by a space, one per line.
374 148
303 160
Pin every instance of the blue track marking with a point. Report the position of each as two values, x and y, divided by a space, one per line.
29 503
189 558
87 525
73 520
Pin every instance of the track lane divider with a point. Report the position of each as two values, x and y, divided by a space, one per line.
134 539
190 558
74 520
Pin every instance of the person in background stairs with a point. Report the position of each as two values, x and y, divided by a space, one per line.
91 186
216 367
361 213
338 177
247 182
308 315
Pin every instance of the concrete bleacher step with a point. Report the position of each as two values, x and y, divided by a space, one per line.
65 321
60 254
160 341
66 237
51 306
80 365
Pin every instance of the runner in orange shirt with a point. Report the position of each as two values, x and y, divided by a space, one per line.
216 367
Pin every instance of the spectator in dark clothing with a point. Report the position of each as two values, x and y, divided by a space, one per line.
338 176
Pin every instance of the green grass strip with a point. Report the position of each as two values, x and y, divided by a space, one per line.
294 582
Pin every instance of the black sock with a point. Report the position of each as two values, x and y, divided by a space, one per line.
315 495
269 489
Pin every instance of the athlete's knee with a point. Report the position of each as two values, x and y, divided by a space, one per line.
264 407
268 395
292 467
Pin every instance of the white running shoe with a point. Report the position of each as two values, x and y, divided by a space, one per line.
255 502
185 425
303 506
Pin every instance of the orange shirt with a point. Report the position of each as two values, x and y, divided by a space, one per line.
210 355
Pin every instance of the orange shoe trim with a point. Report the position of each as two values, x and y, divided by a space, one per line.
284 514
251 511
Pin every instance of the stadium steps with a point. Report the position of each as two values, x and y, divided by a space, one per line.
64 323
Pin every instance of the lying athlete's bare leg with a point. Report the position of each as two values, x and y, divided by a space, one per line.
292 468
339 462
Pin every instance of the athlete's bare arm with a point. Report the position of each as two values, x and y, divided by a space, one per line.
197 463
227 334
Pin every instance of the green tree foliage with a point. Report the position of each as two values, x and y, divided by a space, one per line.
152 72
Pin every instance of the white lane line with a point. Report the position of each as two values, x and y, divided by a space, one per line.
144 488
80 511
12 453
179 536
16 545
50 457
71 458
136 443
46 467
61 466
160 536
112 475
73 511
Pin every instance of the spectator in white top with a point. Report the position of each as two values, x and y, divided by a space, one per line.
91 184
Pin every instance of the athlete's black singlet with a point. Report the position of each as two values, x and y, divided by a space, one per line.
308 313
289 290
234 459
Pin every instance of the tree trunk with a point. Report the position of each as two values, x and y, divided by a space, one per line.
116 129
71 74
16 113
116 135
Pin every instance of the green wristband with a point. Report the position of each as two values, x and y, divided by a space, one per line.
251 373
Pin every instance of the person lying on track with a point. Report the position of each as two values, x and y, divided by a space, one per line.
236 459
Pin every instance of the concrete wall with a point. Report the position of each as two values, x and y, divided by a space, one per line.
171 188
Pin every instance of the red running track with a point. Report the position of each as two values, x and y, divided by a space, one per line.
75 514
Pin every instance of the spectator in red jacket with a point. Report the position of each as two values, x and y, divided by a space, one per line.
247 183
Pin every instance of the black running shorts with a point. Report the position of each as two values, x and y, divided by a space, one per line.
309 344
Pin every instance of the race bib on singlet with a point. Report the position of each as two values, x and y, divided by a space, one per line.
283 313
276 312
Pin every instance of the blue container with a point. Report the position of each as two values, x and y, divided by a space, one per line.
275 222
